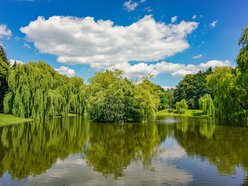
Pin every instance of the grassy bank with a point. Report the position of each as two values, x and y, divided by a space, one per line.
6 119
188 113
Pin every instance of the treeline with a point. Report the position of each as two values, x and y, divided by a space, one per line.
36 90
222 93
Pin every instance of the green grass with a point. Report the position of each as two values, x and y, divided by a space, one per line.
188 113
6 119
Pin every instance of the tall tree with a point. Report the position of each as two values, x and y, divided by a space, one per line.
242 60
36 90
223 85
4 69
191 88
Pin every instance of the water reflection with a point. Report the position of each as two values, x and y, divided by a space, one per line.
30 149
71 149
113 146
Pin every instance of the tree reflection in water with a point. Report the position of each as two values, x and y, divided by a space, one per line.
31 149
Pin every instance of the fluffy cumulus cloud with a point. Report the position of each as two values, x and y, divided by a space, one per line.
66 71
5 32
141 70
103 44
192 69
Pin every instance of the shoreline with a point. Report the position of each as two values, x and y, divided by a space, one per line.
189 113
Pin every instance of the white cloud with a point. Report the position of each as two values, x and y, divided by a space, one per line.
214 63
192 69
12 62
130 5
197 56
66 71
194 16
173 19
5 32
213 24
141 70
101 44
168 87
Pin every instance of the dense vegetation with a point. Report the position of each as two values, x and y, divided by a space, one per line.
230 86
191 88
4 69
113 98
222 93
36 90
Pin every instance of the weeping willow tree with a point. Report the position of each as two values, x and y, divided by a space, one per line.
37 91
207 105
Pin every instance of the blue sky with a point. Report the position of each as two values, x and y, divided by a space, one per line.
205 33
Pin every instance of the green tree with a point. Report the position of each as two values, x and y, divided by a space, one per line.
4 70
242 79
191 88
37 91
181 106
113 98
207 105
223 84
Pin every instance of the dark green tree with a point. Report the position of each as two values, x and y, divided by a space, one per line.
191 88
4 69
242 60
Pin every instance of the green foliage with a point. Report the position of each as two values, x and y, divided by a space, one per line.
242 58
191 88
181 106
4 69
223 83
242 77
113 98
37 91
148 98
207 105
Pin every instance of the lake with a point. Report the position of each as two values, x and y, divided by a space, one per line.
171 151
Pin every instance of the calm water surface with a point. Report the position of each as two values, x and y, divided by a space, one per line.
172 151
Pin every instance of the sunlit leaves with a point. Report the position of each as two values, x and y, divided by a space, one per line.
36 90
